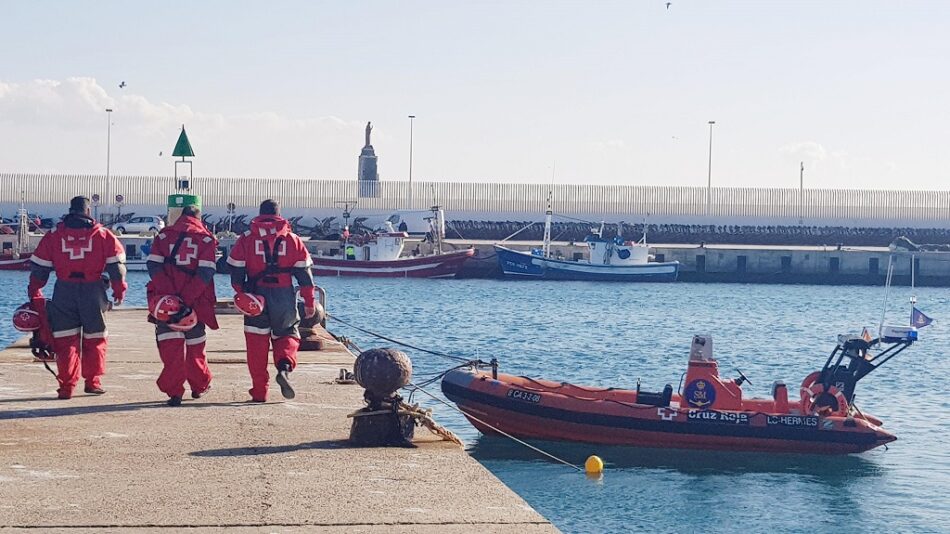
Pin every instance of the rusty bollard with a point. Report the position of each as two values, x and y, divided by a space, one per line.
381 372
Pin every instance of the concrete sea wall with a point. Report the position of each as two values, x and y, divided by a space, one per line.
505 202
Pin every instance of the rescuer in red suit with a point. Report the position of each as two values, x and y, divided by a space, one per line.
79 249
264 262
181 264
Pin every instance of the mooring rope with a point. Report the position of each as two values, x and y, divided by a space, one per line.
401 343
502 432
429 381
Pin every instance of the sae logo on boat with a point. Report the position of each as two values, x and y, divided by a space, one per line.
700 394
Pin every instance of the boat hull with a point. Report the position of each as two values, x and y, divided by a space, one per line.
18 263
135 266
515 264
511 405
437 266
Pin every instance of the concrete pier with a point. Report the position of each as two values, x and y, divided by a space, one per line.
125 461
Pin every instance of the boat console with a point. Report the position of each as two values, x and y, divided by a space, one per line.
705 389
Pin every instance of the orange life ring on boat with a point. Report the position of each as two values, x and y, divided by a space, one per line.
816 391
809 381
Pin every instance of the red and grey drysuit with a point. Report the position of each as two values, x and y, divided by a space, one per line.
79 250
181 263
264 261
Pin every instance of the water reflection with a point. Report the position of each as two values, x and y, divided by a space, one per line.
833 470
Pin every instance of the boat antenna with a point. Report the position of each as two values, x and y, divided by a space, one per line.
887 286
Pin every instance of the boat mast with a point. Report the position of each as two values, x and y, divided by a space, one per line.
913 294
546 247
437 228
887 287
23 229
347 212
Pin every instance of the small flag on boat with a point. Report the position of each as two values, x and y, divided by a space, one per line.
918 319
865 335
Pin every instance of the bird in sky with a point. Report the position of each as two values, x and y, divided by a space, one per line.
160 153
122 85
668 4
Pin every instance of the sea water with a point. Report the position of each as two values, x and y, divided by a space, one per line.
612 334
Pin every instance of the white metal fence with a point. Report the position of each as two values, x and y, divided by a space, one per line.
670 203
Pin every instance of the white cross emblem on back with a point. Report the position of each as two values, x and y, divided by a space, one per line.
76 249
259 249
187 252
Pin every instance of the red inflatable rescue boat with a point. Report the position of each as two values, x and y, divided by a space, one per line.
709 412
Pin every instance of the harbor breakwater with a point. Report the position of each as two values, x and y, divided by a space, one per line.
487 201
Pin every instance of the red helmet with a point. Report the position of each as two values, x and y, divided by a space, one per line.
26 319
165 307
249 304
186 323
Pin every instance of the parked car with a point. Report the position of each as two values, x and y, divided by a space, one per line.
36 223
140 225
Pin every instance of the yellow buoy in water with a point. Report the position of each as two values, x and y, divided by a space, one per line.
594 465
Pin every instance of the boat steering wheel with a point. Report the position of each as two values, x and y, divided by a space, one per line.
742 378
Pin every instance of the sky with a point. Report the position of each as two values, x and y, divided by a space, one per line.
504 91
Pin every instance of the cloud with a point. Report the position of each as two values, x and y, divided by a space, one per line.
806 151
606 145
69 115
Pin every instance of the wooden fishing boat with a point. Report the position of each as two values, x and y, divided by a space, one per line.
17 243
608 259
445 265
15 262
379 254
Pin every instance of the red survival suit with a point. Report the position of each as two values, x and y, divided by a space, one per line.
264 261
182 263
79 250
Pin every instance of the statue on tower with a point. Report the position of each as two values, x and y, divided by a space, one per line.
366 173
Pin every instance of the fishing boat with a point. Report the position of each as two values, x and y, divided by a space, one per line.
15 262
709 413
17 247
608 259
379 254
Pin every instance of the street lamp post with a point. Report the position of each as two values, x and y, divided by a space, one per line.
709 177
108 155
411 120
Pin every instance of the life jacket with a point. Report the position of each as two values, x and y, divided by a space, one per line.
269 252
183 248
78 249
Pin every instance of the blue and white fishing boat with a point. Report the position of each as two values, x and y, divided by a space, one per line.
609 259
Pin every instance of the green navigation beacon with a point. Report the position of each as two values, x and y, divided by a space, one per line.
183 179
